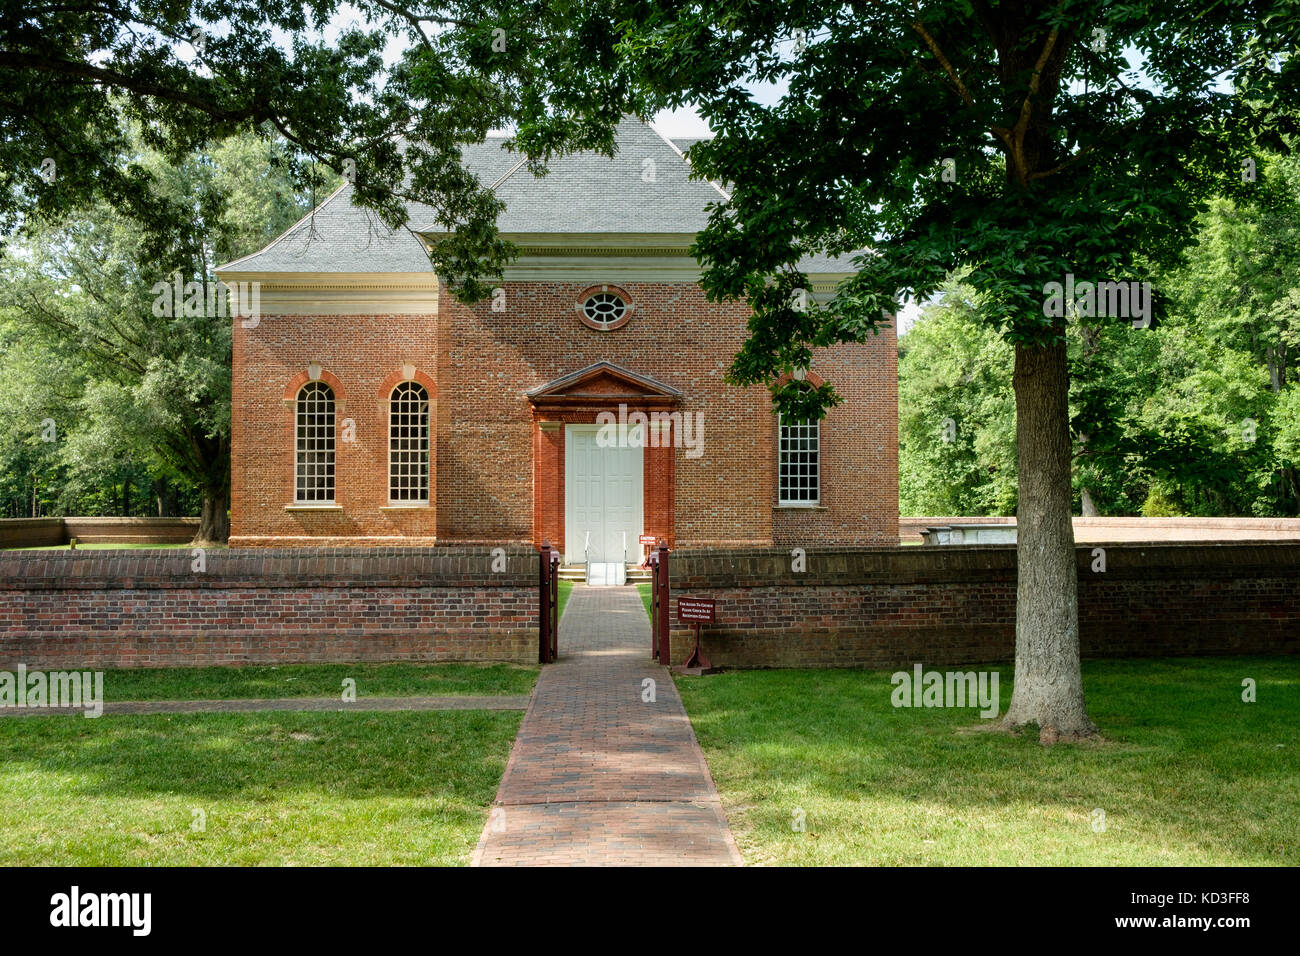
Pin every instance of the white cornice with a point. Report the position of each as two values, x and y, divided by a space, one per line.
601 269
342 293
405 293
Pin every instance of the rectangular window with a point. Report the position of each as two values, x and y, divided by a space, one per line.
798 473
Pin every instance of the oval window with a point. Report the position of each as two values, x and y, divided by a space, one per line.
604 308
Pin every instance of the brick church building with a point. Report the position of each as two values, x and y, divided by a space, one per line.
583 403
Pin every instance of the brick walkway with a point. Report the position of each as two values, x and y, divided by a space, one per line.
597 775
279 703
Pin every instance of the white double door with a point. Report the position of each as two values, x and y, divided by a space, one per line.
602 496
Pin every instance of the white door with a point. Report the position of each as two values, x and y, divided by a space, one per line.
602 495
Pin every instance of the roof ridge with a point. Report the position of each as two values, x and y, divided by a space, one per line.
517 166
673 146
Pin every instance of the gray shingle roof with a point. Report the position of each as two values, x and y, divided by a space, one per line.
338 237
645 188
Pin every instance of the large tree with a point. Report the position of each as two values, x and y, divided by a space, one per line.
311 74
142 377
1014 140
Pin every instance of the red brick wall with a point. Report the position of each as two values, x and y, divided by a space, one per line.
45 532
945 605
859 452
484 441
150 609
881 607
361 353
1132 528
486 438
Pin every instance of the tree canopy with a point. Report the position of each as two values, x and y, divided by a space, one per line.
140 394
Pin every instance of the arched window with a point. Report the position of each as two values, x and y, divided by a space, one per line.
408 443
315 443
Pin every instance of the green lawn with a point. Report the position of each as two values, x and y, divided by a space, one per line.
348 789
1188 775
564 589
282 788
318 680
646 590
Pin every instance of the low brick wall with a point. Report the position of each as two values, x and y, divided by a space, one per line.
888 607
150 608
131 530
47 532
31 532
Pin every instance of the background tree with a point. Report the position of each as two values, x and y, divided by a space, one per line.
956 412
134 388
194 72
1012 139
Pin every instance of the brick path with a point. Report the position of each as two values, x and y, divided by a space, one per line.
597 775
500 702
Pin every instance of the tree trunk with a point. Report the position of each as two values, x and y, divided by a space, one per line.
1048 683
1087 505
214 523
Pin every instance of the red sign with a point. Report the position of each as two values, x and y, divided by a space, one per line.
648 539
695 610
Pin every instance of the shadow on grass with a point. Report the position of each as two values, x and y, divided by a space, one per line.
1186 762
262 757
318 680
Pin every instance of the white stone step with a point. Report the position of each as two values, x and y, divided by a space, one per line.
606 574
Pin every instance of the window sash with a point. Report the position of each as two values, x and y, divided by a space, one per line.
408 444
799 463
314 445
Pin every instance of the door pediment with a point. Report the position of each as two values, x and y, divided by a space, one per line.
602 383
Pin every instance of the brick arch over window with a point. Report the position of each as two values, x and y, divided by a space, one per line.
303 377
811 377
801 483
398 377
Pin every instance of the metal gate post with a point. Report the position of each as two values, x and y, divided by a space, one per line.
544 604
662 596
654 605
555 603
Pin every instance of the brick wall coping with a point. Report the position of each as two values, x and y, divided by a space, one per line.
268 568
44 532
1119 521
831 566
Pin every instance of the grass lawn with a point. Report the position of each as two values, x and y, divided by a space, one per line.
1189 774
273 788
351 789
646 590
563 590
318 680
